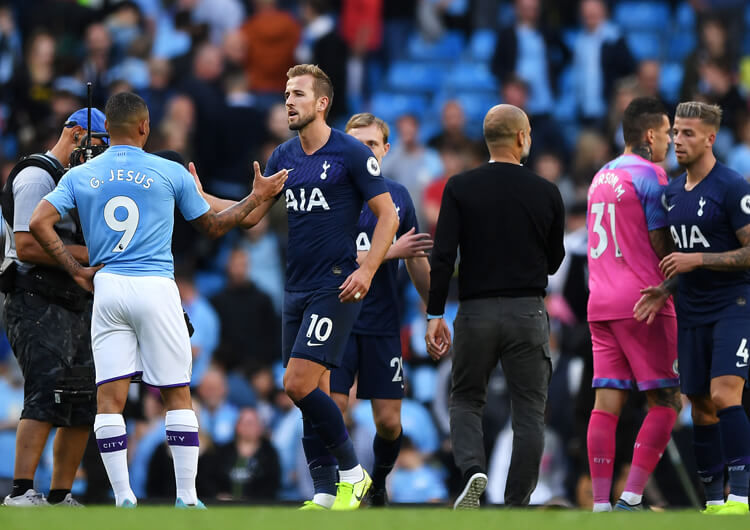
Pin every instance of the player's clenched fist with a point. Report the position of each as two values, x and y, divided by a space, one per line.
266 188
679 262
355 287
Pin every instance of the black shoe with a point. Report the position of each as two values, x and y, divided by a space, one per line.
379 497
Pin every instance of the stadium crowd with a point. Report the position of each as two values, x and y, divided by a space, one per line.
213 73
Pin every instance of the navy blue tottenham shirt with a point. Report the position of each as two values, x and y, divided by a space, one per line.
380 310
705 219
324 195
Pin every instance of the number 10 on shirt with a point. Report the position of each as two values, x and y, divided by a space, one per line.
597 210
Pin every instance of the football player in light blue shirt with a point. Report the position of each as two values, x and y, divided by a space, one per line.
126 204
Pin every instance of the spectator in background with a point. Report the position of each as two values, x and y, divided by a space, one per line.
515 91
271 36
221 16
600 58
534 53
11 404
321 44
205 90
591 152
452 135
361 25
246 468
413 480
216 416
712 45
250 327
718 85
278 130
175 131
205 321
454 162
549 166
241 133
158 92
33 89
648 75
625 91
97 61
409 162
265 263
739 157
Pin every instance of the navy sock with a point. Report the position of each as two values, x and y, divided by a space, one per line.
21 486
386 452
735 437
328 423
320 461
709 457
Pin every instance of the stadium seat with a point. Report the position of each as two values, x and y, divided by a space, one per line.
411 76
671 81
680 44
470 76
640 16
447 48
684 17
390 105
482 45
645 44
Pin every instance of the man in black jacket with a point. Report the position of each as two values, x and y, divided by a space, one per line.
509 225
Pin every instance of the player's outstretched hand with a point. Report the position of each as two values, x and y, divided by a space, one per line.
652 300
355 287
411 245
679 262
191 168
438 338
85 277
266 188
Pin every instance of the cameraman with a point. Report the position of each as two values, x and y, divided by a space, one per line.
48 320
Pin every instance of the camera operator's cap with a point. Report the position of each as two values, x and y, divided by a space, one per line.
81 117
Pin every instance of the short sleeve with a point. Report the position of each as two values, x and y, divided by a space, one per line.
272 167
650 192
63 197
189 200
365 171
737 203
407 215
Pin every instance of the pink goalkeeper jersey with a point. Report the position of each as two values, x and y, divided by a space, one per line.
624 204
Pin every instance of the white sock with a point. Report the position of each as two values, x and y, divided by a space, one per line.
715 503
737 498
324 499
631 498
111 438
602 507
182 437
352 475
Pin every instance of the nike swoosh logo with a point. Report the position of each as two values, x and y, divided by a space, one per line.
314 343
669 208
359 497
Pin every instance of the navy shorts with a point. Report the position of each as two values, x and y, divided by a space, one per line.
713 350
316 326
376 362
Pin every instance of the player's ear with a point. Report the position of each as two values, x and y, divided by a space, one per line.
386 148
650 136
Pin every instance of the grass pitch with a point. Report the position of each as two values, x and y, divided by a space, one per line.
283 518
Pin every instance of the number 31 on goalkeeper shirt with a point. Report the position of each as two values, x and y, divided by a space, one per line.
605 233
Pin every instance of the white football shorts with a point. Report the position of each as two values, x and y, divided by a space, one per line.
138 327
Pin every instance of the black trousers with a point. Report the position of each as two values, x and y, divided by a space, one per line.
514 332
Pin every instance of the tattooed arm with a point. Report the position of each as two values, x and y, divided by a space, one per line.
216 224
42 227
733 260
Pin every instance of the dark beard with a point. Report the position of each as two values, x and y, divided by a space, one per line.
644 151
301 123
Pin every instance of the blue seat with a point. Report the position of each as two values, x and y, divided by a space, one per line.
482 45
415 76
680 44
641 16
391 105
470 76
684 16
671 81
644 45
447 48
